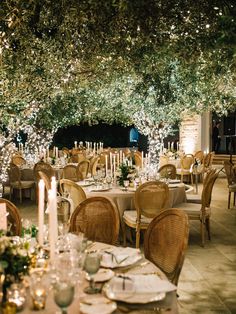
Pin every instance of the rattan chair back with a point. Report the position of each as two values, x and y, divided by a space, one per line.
94 165
74 191
150 198
44 167
66 151
208 159
187 162
70 172
82 169
46 179
207 188
13 217
230 172
136 158
98 219
166 241
14 173
199 155
168 171
18 160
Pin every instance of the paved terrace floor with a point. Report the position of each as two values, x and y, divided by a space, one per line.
208 279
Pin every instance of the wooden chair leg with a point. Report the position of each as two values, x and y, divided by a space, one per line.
192 178
20 196
229 200
124 235
234 197
208 228
203 233
137 238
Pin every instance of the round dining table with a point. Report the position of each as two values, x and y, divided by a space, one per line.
124 199
167 303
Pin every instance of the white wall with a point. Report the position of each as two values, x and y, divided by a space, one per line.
195 133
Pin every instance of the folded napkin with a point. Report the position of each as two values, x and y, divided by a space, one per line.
122 283
119 256
141 284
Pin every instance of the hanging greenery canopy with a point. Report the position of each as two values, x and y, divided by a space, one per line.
142 62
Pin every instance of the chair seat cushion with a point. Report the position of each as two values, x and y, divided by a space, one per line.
232 187
183 171
193 210
194 198
23 184
131 216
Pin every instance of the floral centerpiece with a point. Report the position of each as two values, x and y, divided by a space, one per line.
14 260
126 172
174 154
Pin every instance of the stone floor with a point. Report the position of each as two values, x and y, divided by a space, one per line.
208 280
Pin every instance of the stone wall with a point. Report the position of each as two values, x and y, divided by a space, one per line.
190 134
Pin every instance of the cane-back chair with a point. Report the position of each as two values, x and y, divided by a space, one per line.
43 167
168 171
186 169
202 212
98 219
73 191
230 171
70 172
82 169
149 199
18 160
16 183
166 241
13 217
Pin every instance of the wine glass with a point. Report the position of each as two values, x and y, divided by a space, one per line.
126 184
63 294
109 181
91 266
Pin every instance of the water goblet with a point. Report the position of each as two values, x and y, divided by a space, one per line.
63 294
91 266
109 181
126 184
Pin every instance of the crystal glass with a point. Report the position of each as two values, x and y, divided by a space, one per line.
109 180
91 266
38 289
16 294
64 291
126 184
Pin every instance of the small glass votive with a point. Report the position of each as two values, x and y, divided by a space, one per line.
38 294
9 308
16 294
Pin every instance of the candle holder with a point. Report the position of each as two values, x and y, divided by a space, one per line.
38 291
16 294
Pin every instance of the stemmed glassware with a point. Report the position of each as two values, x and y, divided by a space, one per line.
126 184
63 294
91 266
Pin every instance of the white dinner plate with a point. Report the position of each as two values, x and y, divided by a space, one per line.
97 304
100 190
137 289
174 181
102 275
85 183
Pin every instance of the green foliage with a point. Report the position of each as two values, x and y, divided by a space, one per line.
74 61
14 259
125 172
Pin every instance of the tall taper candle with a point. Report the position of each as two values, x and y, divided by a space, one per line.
41 211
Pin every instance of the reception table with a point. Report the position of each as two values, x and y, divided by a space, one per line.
168 304
124 199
